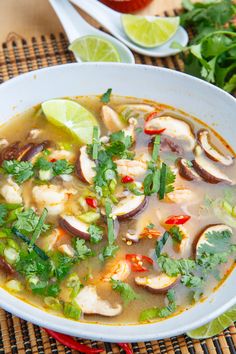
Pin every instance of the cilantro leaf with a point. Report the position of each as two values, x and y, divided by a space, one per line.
173 267
106 96
108 252
176 233
125 290
62 265
3 214
82 250
161 243
217 242
21 171
27 220
96 233
192 281
62 167
43 164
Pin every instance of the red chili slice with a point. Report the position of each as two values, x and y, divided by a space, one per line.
127 179
151 116
53 160
91 202
126 6
137 261
71 343
177 219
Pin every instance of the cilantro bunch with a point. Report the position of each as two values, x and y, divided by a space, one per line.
212 53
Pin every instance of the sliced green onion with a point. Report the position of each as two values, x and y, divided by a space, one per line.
95 142
110 223
36 249
11 255
39 227
89 217
72 310
53 303
162 181
227 207
13 244
156 148
161 243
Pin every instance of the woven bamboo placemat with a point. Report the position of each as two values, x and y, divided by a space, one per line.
18 56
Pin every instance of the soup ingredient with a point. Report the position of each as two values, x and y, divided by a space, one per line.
137 262
211 55
161 243
6 267
91 303
111 119
85 166
39 227
71 343
173 128
125 290
208 171
186 170
126 348
21 171
127 179
133 168
226 215
129 206
120 271
214 327
126 6
138 111
181 195
156 312
95 49
11 191
149 32
177 219
92 202
210 150
71 116
75 226
106 96
214 239
34 150
157 284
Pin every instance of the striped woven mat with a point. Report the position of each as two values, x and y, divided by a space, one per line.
18 56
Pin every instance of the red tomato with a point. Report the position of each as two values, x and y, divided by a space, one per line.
126 5
137 261
91 202
127 179
177 219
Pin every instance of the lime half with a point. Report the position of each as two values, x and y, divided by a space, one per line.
94 48
71 116
148 32
214 327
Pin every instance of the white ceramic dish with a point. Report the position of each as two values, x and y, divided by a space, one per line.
192 95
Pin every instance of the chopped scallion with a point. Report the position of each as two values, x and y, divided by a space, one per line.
110 224
39 227
161 243
162 181
95 142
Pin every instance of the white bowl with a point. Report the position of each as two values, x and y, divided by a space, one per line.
192 95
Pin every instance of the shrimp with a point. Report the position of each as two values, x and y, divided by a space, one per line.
11 192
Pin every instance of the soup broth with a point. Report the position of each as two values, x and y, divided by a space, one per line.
135 226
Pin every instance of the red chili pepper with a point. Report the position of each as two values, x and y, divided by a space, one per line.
137 260
177 219
53 160
126 6
71 343
126 348
91 202
127 179
151 116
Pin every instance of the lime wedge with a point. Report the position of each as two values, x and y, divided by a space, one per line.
94 48
214 327
147 32
71 116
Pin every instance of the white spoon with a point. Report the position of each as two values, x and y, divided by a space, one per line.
75 26
111 20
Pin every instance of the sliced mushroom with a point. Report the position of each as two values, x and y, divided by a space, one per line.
174 128
90 303
208 171
6 267
119 271
202 239
186 170
129 206
112 119
10 152
157 284
134 168
210 150
169 145
76 227
66 249
34 150
85 167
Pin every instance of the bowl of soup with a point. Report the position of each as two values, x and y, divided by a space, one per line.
118 201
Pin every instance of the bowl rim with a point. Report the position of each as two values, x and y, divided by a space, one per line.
98 331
